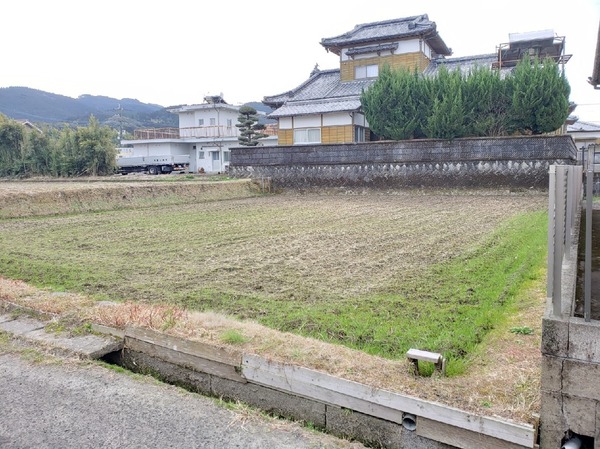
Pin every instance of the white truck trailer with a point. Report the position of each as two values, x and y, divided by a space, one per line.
153 165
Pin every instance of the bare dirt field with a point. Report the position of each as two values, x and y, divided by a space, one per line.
339 279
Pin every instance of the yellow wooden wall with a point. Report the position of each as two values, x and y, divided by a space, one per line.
285 137
329 134
337 134
406 60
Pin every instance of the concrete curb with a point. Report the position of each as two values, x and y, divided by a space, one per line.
88 346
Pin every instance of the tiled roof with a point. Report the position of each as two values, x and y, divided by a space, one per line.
580 126
317 107
323 92
200 107
388 30
465 63
317 82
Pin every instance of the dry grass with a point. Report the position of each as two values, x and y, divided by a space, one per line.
44 197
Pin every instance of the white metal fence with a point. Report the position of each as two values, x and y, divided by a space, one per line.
565 193
565 205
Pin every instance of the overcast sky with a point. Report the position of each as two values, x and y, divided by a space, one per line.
179 51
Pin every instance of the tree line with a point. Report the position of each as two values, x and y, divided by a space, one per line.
532 99
83 151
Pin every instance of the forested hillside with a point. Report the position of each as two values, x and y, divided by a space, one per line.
37 106
44 107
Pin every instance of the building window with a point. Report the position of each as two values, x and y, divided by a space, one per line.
200 154
359 134
215 155
200 122
307 135
229 123
366 71
225 156
213 121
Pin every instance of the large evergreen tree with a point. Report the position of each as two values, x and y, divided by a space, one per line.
533 99
486 103
540 97
389 106
250 129
446 119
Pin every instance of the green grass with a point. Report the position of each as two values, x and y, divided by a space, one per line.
380 274
233 336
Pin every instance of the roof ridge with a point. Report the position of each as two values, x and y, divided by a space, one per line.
373 24
468 57
399 19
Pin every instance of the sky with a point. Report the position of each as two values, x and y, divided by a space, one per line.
178 52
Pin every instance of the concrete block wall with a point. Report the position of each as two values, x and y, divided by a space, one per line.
570 383
344 423
570 380
473 162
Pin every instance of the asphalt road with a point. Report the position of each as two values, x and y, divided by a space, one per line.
62 403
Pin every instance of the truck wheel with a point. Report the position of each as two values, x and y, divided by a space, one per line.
153 170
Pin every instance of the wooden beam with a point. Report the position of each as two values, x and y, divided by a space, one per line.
194 348
461 438
379 403
182 359
190 354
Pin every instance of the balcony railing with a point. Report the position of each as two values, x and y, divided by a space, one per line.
199 131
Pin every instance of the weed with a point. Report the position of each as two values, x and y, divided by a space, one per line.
56 327
233 336
32 355
522 330
4 338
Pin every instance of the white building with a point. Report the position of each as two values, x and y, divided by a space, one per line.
205 134
584 133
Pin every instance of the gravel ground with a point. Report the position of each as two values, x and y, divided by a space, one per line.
51 403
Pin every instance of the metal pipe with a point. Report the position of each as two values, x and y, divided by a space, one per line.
409 421
572 443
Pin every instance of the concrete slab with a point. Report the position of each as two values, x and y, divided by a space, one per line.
139 362
272 401
584 340
581 379
552 421
21 326
5 318
580 415
555 336
84 346
551 373
369 430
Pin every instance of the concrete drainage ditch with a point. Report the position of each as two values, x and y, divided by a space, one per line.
343 408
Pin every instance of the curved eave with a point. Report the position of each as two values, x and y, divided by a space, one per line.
312 108
431 36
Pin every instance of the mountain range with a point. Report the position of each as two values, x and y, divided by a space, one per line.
37 106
